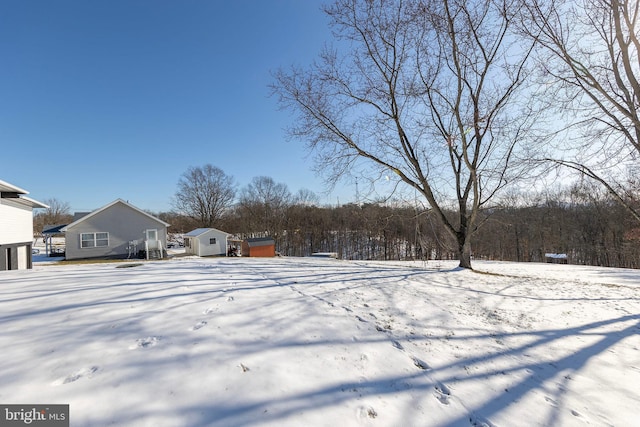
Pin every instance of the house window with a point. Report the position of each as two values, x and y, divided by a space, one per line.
212 241
152 234
94 240
102 240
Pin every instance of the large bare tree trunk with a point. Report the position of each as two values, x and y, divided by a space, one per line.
464 250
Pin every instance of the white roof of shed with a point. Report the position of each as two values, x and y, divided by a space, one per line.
557 256
200 231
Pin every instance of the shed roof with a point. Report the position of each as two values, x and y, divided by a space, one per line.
200 231
556 256
260 241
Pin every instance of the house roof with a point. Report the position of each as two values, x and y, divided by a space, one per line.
17 195
27 201
97 211
200 231
5 187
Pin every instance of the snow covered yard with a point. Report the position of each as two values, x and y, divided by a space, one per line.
320 342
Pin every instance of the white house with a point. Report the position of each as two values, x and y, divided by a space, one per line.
206 242
16 227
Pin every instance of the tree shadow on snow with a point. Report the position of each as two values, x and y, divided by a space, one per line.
528 374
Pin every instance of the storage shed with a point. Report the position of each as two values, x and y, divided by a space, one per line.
259 247
555 258
206 242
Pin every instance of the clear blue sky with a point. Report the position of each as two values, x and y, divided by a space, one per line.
102 100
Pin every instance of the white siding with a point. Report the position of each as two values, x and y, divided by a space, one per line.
191 245
200 244
16 222
208 249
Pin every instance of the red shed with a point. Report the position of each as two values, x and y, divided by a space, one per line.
259 247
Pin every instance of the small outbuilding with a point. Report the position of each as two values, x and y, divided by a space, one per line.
555 258
206 242
259 247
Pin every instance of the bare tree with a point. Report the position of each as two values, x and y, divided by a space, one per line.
263 203
57 213
427 92
305 197
591 64
204 194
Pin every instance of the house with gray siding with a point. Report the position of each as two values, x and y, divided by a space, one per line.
117 230
16 227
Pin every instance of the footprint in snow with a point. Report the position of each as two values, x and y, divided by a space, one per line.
386 328
84 372
420 364
210 310
198 325
480 422
366 412
145 342
229 298
442 393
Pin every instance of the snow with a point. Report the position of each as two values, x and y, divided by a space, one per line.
323 342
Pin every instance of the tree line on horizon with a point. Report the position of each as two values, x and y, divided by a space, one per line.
582 221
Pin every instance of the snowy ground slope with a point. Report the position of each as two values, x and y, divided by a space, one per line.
318 342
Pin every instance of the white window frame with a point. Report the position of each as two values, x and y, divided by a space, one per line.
149 231
98 239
